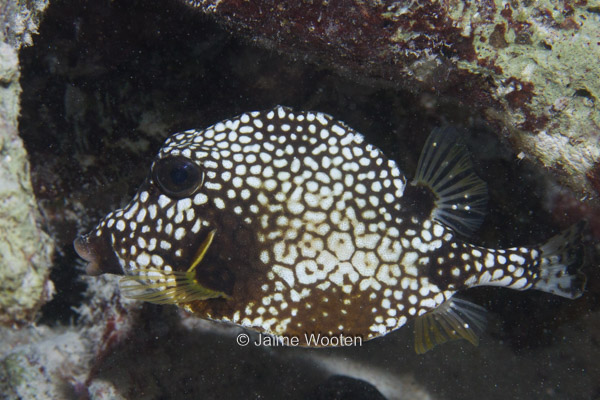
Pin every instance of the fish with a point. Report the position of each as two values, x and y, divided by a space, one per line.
290 224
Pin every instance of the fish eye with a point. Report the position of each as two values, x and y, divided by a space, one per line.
177 176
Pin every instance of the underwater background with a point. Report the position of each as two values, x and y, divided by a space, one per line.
105 82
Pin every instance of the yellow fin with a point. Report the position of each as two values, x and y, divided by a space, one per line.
170 287
202 250
454 319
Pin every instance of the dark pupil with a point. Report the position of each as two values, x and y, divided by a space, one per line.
177 176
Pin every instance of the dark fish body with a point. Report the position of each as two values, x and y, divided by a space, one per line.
289 223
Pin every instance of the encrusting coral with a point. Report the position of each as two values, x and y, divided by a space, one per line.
530 67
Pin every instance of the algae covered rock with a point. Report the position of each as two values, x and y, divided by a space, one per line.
25 250
40 366
529 67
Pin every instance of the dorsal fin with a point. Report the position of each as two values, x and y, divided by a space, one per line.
454 319
445 167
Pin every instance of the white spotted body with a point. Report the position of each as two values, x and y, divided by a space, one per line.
305 228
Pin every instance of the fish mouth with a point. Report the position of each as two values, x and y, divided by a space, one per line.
99 254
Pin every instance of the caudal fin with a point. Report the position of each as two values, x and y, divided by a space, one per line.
562 257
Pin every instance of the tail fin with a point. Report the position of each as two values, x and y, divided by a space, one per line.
562 257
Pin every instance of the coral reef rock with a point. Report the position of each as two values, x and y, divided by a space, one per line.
530 67
25 250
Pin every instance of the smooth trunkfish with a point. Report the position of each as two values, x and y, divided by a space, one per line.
288 223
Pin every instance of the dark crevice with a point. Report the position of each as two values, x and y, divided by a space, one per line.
584 93
69 287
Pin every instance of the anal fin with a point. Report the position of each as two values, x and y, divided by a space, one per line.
455 319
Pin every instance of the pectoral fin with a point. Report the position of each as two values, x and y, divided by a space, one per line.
170 287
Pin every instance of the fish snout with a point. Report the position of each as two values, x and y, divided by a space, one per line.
99 254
